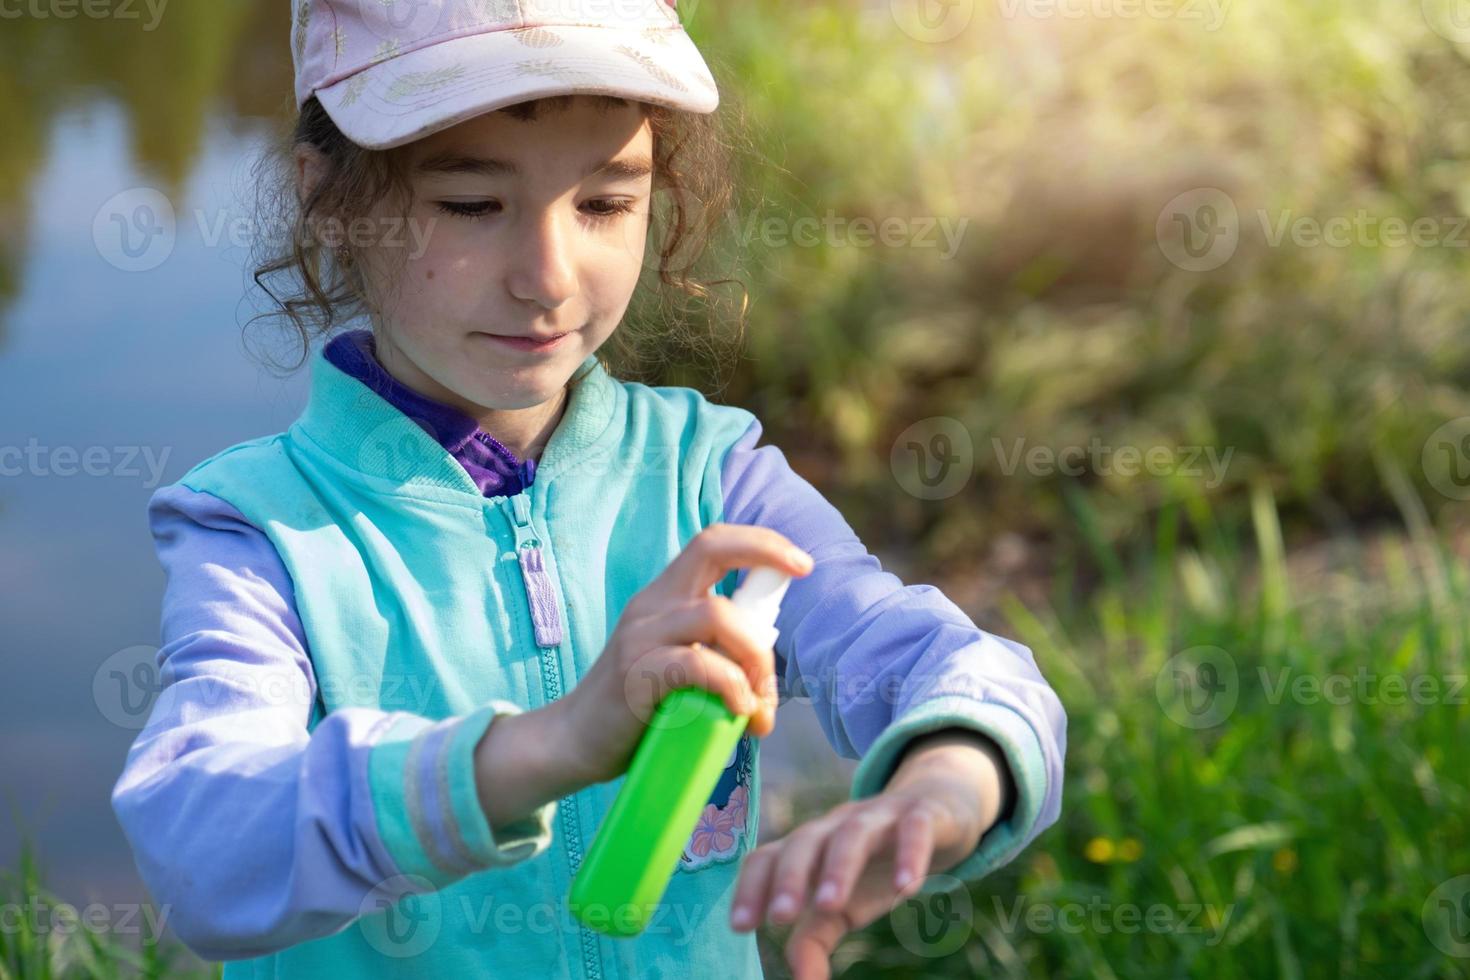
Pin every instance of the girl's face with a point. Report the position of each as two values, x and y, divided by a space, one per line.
517 229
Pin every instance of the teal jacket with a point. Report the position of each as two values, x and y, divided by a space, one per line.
345 613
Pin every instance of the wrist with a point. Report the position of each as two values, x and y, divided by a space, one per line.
964 766
565 743
522 762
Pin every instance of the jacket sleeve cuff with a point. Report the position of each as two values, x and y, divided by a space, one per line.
426 805
1022 750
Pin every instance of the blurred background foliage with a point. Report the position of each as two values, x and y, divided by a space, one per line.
1056 144
1060 320
1051 145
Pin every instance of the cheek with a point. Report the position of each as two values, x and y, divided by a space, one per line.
609 282
442 267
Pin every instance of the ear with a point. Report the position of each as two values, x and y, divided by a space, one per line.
311 166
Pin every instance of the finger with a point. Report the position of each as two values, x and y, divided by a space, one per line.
720 548
811 944
853 845
714 620
763 722
753 887
915 849
791 881
673 666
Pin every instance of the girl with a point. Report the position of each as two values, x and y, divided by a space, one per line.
411 643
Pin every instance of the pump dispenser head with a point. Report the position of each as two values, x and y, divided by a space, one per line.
759 598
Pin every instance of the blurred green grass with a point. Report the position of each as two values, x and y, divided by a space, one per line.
1300 830
45 937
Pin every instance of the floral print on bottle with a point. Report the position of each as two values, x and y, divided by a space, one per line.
718 836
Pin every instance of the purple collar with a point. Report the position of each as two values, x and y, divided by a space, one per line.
492 466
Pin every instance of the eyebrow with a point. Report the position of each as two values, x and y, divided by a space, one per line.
452 162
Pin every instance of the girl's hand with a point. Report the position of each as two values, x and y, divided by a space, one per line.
664 640
871 854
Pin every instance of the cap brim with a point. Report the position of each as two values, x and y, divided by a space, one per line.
421 92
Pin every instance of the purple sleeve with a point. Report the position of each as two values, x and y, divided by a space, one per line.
884 662
254 831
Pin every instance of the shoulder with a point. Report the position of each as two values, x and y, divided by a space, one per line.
193 525
241 476
251 452
673 412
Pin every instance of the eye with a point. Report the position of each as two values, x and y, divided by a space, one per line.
467 209
603 208
614 207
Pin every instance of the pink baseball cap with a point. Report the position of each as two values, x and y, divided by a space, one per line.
389 72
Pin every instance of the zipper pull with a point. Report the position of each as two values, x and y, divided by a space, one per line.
540 589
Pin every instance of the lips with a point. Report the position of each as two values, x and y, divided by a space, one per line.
532 343
528 338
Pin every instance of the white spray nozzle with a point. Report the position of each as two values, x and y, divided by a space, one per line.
759 598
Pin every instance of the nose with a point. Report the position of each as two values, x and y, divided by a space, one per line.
542 268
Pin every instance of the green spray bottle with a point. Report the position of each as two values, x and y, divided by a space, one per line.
674 770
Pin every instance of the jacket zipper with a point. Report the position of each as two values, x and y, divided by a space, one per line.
540 590
546 617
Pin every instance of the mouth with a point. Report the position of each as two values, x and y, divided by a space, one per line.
535 343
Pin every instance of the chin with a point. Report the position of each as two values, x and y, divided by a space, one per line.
523 388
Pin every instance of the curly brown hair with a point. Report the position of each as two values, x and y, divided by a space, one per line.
316 285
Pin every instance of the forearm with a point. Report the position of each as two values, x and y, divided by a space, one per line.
522 762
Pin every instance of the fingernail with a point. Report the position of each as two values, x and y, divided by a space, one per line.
827 892
783 906
903 878
801 558
742 917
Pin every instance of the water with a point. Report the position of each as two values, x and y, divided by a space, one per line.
117 379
